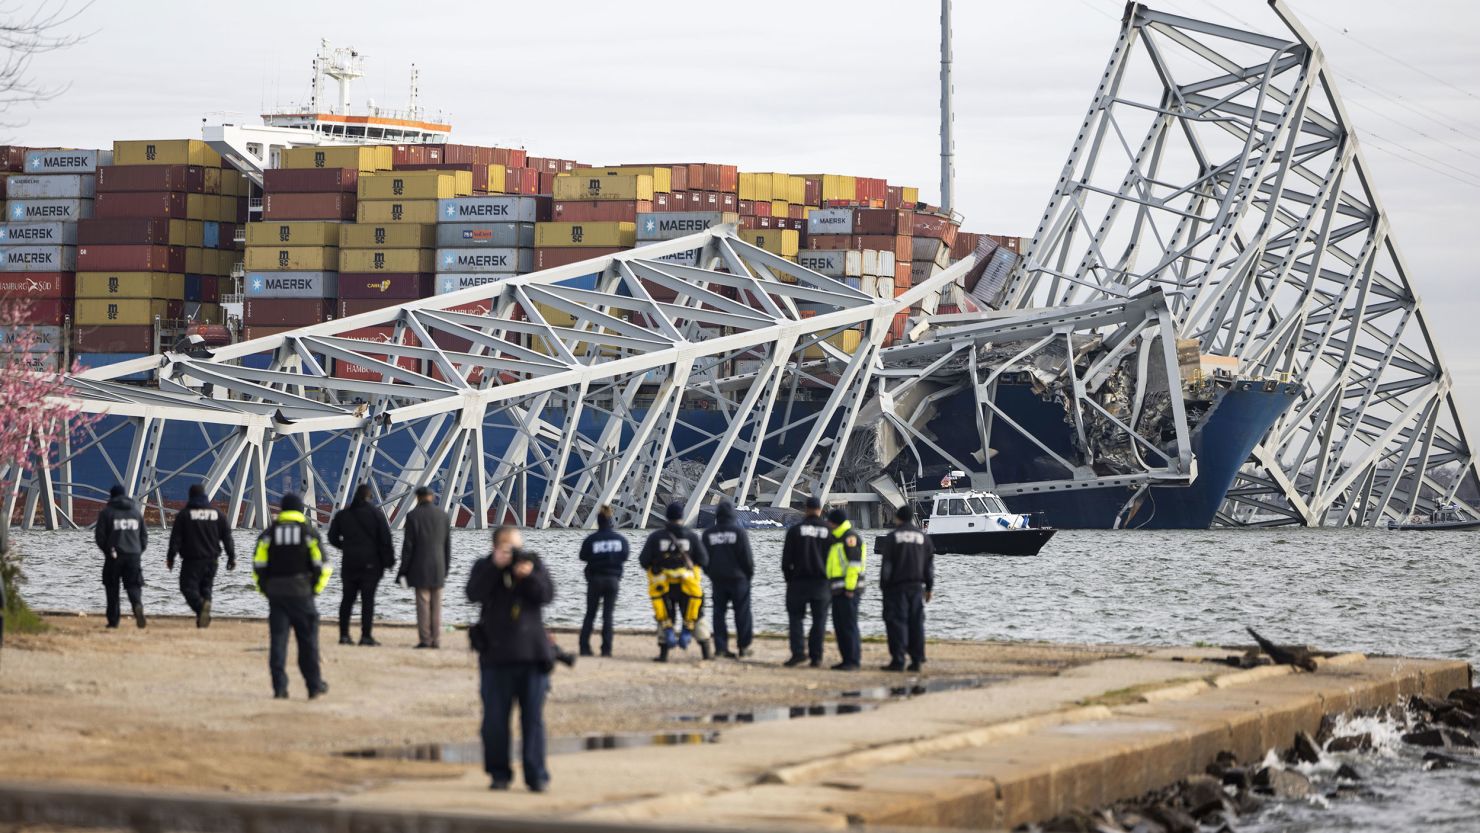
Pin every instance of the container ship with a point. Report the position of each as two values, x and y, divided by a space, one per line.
321 213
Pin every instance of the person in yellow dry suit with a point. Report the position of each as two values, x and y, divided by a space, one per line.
674 558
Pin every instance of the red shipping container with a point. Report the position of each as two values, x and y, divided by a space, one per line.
171 204
359 306
143 258
901 246
540 163
753 222
728 201
454 154
547 183
796 212
294 206
345 369
747 208
115 178
310 180
400 286
35 286
13 158
286 312
474 307
564 256
761 208
882 221
894 197
665 202
509 156
936 226
812 191
50 312
114 339
599 211
408 155
243 212
830 242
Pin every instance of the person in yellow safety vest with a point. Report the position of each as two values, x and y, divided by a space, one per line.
289 568
845 566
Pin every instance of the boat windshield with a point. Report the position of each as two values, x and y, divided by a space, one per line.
978 506
995 504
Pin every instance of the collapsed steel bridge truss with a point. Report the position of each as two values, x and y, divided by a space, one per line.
534 398
1220 167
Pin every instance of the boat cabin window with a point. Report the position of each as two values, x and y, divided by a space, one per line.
995 504
956 506
978 507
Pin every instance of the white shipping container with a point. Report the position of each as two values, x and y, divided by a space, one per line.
837 263
44 339
38 234
502 235
39 362
57 161
292 284
486 209
38 259
485 260
668 225
687 257
878 262
927 248
447 283
830 221
51 187
67 211
920 272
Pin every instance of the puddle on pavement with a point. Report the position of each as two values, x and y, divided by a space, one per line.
853 701
849 702
472 752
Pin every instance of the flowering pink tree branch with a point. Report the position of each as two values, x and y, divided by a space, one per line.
36 412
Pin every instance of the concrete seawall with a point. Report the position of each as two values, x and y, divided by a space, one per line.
1048 729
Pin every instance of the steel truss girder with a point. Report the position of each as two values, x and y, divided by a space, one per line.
528 399
1220 167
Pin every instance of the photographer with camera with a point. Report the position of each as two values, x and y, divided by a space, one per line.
515 655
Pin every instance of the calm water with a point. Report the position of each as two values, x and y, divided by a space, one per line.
1368 590
1371 590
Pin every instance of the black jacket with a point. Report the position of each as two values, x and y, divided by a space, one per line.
511 624
907 557
729 550
360 531
659 548
605 551
426 549
288 561
804 555
200 532
120 527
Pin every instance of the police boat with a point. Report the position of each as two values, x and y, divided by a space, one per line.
972 522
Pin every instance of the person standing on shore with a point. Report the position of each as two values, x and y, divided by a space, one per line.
288 567
907 577
604 551
122 537
511 588
804 566
198 536
730 570
360 532
426 559
673 558
845 566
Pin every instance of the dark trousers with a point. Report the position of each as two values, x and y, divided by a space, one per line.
124 570
845 626
502 686
197 581
361 586
300 615
802 596
601 591
728 591
904 622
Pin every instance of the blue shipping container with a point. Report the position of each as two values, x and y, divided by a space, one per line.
210 234
91 360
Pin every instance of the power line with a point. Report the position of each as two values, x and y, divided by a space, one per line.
1391 57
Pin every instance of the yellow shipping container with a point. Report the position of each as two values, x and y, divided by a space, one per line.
231 183
292 259
165 152
308 233
195 260
397 211
194 233
782 242
616 187
662 177
212 181
837 187
497 179
164 285
909 194
359 157
607 234
226 260
780 208
207 314
388 236
755 186
416 185
225 208
388 260
99 312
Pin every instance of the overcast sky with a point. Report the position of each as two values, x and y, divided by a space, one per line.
791 86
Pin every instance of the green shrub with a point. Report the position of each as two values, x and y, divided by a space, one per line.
19 618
